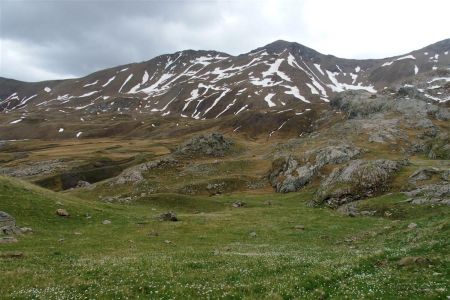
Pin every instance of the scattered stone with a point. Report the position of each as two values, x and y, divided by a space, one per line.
14 254
168 216
26 230
299 227
252 234
413 260
77 233
62 212
106 222
168 242
8 240
412 226
59 203
238 204
153 234
216 252
61 240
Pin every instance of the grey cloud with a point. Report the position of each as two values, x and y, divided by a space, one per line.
52 39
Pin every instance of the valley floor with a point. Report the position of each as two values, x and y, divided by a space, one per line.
275 247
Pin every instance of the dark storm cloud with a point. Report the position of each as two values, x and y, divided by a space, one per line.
78 37
53 39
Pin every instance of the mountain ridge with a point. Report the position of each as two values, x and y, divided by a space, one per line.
208 84
444 43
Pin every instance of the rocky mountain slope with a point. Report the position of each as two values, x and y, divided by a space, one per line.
209 84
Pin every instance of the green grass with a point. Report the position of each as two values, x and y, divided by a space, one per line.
211 253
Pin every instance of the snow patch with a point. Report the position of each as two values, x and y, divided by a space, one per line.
242 109
226 108
47 89
92 83
109 81
319 69
268 99
339 87
293 90
273 69
16 121
125 82
313 89
88 94
400 58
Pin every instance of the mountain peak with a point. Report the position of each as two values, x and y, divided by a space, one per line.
279 46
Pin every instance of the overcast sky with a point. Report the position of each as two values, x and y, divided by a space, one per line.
54 39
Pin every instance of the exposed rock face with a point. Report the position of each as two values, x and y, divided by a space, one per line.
361 104
35 168
430 194
335 154
82 184
129 175
287 175
424 174
134 174
212 145
356 180
8 224
438 147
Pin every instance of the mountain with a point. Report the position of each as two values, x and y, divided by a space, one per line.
279 77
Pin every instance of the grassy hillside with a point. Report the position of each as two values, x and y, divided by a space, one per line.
216 251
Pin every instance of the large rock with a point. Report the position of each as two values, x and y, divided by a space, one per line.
8 224
213 144
356 180
168 216
62 212
288 175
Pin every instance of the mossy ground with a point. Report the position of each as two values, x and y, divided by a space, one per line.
210 253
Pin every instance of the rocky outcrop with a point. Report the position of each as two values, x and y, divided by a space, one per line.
438 147
362 104
426 174
44 167
356 180
430 194
288 175
134 174
214 144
